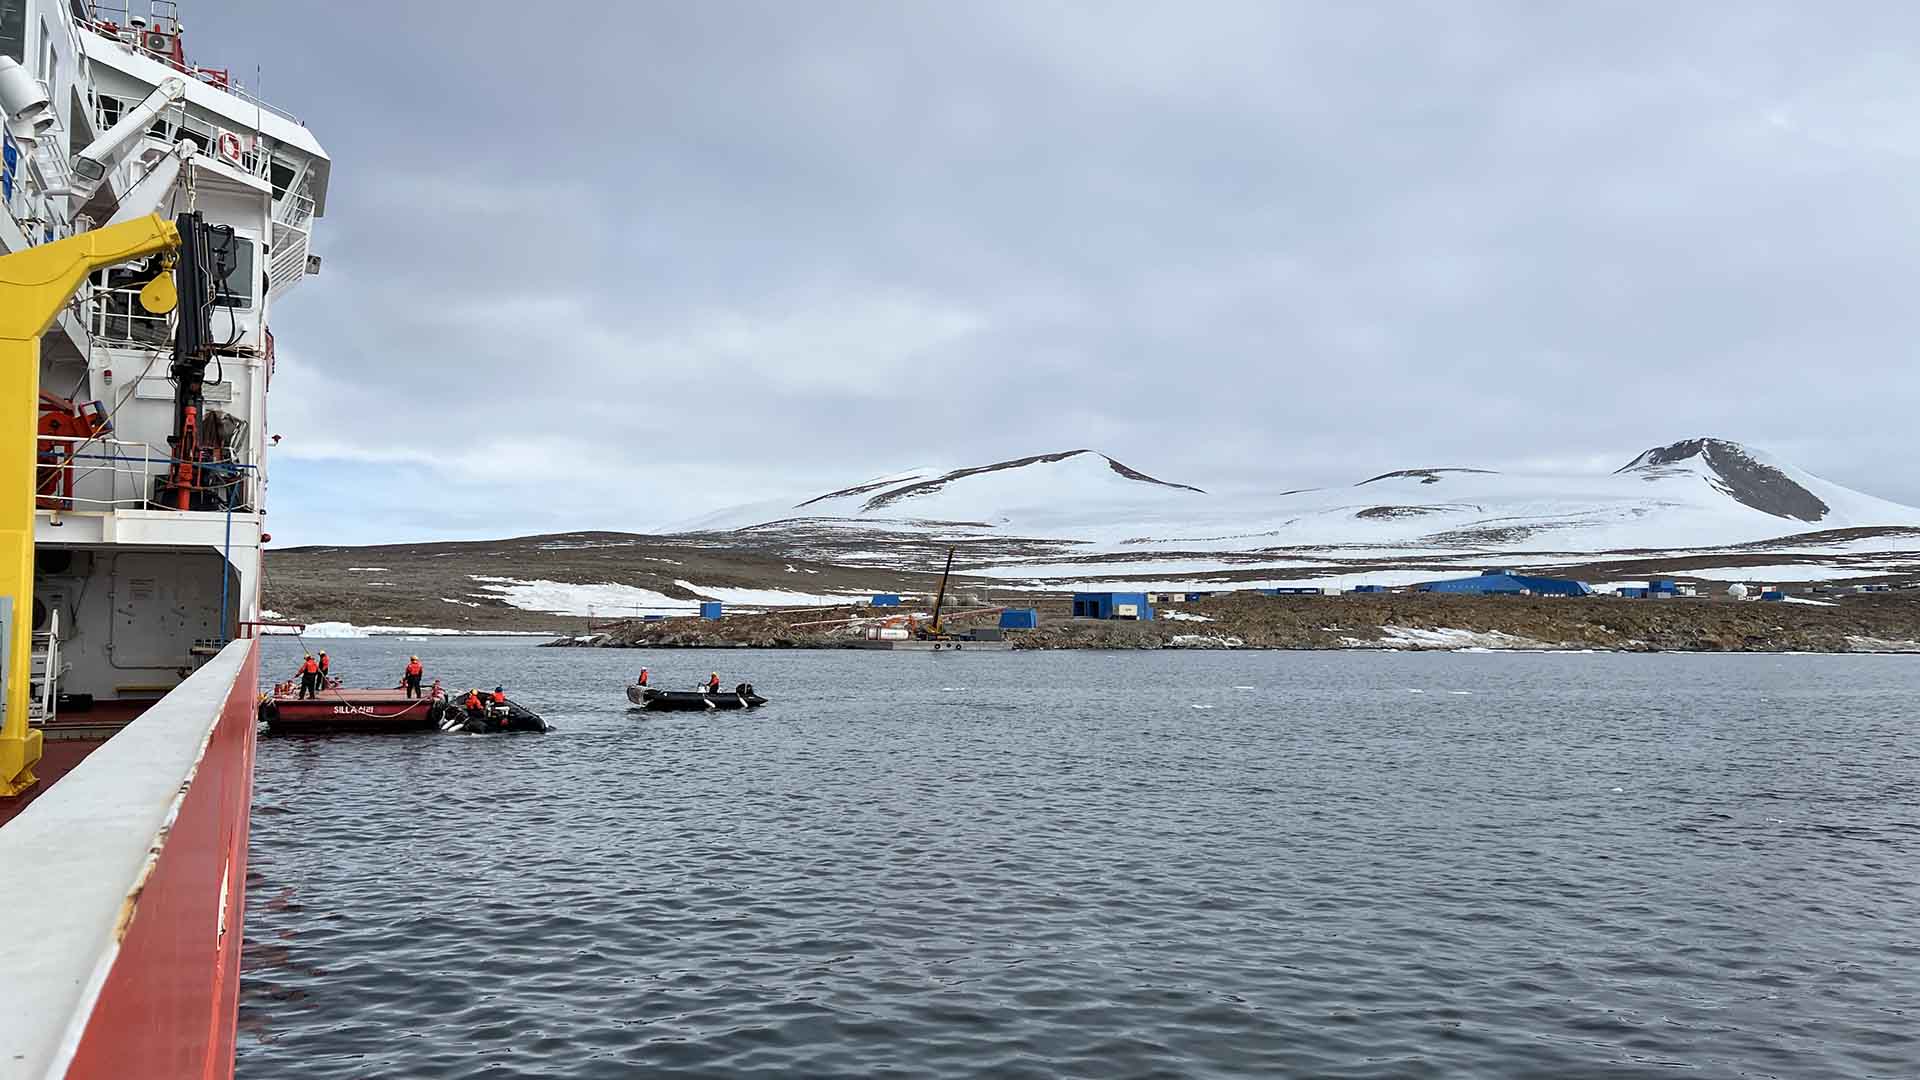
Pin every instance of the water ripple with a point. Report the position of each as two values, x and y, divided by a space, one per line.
1049 865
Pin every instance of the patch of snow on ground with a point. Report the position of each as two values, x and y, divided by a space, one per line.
462 603
1412 637
1873 644
774 597
568 598
1805 600
1205 641
367 569
334 630
267 614
1342 581
1182 616
1778 572
612 600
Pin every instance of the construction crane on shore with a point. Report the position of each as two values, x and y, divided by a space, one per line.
932 631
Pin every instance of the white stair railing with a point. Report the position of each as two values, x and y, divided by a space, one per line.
44 671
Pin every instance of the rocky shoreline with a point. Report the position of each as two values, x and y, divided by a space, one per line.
1853 624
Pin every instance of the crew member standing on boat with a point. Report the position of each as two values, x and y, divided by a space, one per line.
321 682
309 677
643 676
713 683
414 671
472 704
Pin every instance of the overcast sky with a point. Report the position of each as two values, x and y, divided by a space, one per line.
612 274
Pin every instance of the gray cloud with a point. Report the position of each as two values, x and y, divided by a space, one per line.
707 252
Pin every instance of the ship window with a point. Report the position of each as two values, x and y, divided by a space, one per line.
237 286
13 29
281 174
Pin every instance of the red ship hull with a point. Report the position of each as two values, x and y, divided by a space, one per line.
137 898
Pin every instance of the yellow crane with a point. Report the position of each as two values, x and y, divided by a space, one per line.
34 285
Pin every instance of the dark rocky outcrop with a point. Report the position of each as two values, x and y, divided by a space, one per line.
1736 472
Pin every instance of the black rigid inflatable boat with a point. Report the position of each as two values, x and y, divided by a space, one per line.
490 720
740 697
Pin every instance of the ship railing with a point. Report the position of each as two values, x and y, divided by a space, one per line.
117 318
176 123
114 22
78 474
27 177
295 209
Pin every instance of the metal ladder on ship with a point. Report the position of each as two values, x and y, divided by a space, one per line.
44 671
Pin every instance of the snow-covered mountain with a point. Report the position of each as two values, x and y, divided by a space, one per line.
1702 510
1047 495
1081 515
1698 492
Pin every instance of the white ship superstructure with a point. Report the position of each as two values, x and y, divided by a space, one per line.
151 214
148 557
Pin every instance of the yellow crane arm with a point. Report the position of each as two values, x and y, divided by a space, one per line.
34 285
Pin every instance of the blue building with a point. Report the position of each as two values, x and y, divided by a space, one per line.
885 599
1296 590
1369 588
1508 583
1112 605
1019 618
710 610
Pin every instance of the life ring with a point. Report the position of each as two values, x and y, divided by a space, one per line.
229 146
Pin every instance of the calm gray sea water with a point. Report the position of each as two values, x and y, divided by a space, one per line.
1103 865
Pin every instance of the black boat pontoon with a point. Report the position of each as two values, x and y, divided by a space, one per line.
740 697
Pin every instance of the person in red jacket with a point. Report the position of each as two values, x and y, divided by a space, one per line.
413 673
472 704
320 683
713 683
643 676
309 677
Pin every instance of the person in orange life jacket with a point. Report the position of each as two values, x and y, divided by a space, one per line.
499 704
472 704
713 683
309 677
413 673
321 682
643 676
